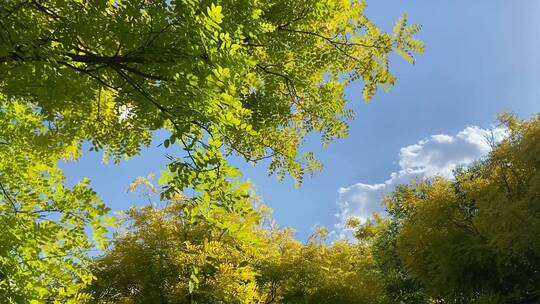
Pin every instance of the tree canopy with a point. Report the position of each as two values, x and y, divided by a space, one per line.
469 240
251 78
164 255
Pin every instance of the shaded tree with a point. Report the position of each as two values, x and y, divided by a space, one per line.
474 239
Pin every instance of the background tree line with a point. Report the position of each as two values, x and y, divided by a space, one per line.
473 239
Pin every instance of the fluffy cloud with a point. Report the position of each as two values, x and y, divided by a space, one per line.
437 155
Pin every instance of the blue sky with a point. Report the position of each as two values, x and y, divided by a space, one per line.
482 58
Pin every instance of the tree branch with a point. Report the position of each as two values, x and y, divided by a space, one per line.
8 198
328 39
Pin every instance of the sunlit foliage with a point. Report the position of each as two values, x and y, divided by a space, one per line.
251 78
43 224
165 255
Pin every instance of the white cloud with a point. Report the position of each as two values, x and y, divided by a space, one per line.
437 155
